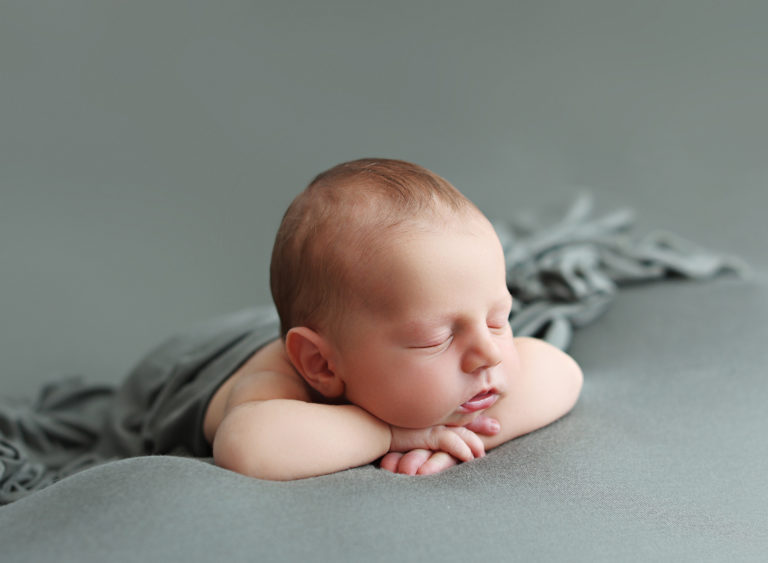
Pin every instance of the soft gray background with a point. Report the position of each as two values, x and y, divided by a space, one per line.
148 149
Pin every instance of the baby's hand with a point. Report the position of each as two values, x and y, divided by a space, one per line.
458 441
418 462
427 460
484 425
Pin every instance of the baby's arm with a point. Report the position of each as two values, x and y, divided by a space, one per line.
547 387
270 430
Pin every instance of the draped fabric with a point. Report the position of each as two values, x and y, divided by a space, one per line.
566 274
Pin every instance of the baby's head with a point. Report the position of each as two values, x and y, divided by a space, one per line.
391 291
330 236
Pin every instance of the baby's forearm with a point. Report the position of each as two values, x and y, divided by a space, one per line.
284 439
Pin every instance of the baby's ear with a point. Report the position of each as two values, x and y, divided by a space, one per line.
309 354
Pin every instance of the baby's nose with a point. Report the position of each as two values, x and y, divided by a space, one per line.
482 355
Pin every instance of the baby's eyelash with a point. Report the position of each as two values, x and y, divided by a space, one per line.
498 323
434 346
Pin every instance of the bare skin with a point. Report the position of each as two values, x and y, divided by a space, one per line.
430 377
548 387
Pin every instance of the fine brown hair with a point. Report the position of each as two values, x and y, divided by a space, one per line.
332 228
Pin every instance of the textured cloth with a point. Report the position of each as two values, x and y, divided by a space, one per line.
158 409
565 275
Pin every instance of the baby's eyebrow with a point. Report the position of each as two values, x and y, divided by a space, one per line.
420 325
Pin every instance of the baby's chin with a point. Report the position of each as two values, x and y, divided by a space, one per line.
453 419
418 423
463 419
414 420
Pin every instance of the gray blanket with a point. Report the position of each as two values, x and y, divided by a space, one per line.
158 409
566 275
562 276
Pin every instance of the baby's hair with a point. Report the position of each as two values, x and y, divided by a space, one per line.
334 226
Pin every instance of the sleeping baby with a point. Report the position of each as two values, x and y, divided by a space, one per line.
389 340
394 338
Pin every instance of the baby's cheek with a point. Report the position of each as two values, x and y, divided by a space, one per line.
510 358
418 397
417 410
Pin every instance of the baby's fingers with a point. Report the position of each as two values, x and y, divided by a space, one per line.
408 463
472 440
417 462
461 443
391 461
438 461
412 461
484 425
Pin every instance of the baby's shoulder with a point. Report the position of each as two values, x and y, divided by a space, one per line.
268 370
540 357
267 374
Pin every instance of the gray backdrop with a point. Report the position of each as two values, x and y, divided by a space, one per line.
148 149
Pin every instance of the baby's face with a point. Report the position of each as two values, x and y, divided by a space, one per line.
436 346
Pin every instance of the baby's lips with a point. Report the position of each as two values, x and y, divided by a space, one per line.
480 402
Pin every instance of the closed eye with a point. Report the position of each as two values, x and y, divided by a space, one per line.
435 346
498 323
500 320
500 330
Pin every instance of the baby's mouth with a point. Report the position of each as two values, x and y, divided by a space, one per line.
479 402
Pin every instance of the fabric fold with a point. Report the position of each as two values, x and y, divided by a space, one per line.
566 274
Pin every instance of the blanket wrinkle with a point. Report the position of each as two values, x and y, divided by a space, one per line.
50 437
18 475
562 276
566 274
